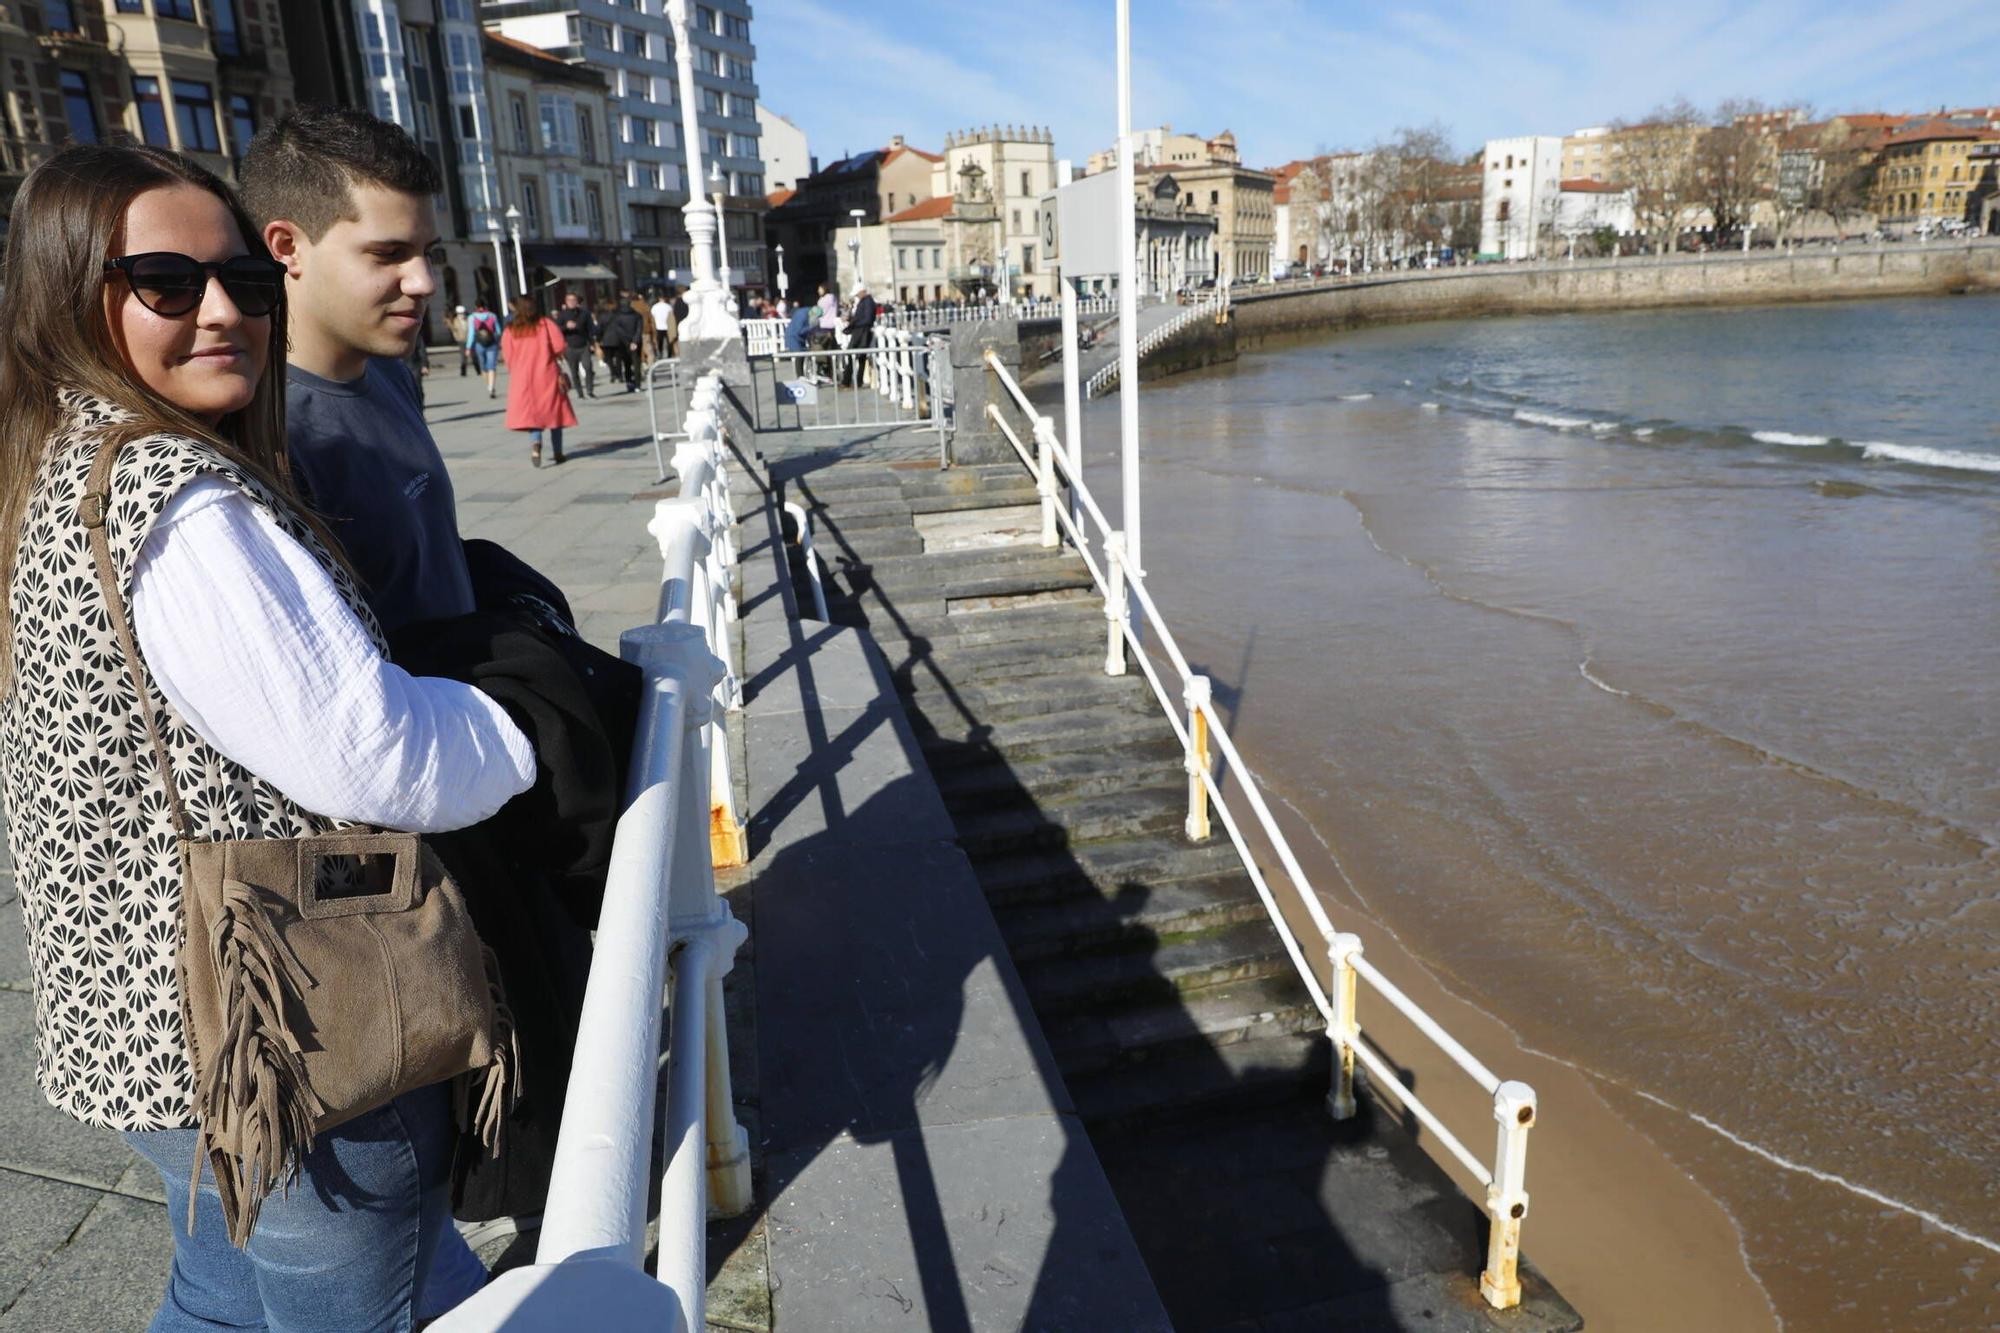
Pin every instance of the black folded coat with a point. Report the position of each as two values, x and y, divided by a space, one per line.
533 874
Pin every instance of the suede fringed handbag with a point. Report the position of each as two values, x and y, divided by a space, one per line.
320 977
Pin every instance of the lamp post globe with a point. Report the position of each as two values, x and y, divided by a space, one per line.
514 230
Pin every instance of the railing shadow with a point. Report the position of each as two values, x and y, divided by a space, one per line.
1217 1254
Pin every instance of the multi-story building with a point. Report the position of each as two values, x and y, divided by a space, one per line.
1161 147
876 185
1520 192
197 77
1018 166
1982 166
1176 239
787 159
1924 177
1241 200
632 45
554 160
1586 154
1587 209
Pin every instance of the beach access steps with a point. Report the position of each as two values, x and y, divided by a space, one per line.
1193 1053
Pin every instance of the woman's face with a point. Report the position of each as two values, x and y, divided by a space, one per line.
208 361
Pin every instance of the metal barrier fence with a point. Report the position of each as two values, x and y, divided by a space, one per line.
927 316
761 337
662 927
900 379
1191 711
665 371
1209 305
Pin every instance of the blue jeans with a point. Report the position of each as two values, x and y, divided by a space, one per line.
363 1241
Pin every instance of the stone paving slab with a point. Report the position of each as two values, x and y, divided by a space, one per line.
997 1225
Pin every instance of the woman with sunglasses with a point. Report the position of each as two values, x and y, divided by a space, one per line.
141 314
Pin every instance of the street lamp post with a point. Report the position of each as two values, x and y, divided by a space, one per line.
716 184
709 317
514 230
855 216
784 279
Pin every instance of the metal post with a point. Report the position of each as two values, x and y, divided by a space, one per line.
1128 293
1196 694
1045 478
1115 604
708 306
1507 1196
1345 1028
1072 400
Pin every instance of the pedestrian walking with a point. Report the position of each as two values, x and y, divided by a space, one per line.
538 387
482 341
457 325
579 334
666 328
176 618
619 332
648 343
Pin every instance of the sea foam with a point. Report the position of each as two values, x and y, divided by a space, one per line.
1927 457
1550 419
1787 437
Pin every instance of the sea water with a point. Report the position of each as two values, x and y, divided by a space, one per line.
1643 672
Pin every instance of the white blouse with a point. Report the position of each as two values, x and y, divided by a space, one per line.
248 637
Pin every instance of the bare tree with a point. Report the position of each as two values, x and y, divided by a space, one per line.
1843 181
1654 158
1736 164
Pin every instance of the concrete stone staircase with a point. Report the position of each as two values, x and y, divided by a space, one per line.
1174 1014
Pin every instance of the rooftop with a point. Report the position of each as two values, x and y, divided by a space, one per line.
928 209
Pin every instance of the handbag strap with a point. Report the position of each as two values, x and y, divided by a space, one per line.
92 511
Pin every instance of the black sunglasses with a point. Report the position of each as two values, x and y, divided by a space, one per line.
172 285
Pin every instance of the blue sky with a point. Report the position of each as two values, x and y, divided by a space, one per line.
1291 77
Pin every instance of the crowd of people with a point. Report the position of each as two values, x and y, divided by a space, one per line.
246 661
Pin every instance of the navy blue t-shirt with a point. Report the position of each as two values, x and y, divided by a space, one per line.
367 464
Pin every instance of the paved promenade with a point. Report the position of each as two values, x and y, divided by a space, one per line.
84 1246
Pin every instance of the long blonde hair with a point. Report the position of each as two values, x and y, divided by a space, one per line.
54 335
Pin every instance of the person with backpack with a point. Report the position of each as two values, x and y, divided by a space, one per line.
482 342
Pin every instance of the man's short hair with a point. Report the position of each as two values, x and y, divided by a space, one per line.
304 167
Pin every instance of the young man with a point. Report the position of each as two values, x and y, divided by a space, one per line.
344 201
579 331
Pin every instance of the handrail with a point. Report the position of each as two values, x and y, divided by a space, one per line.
1208 305
1199 726
661 917
811 557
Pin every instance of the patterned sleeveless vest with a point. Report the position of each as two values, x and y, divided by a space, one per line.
92 839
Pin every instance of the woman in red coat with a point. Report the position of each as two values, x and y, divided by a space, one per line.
537 385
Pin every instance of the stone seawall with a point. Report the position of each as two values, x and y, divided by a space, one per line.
1722 279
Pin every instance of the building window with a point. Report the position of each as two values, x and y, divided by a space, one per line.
131 6
593 201
242 123
1024 184
745 145
56 13
174 9
739 70
743 108
707 18
638 129
718 146
1016 221
222 24
711 102
736 26
586 134
531 207
711 59
522 143
78 106
558 124
597 34
152 111
194 108
566 201
634 41
937 256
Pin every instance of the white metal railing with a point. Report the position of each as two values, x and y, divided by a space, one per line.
662 928
897 380
664 372
761 337
1039 308
804 541
1191 711
1208 306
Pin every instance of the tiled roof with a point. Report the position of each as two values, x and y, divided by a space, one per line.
778 198
892 154
1583 185
924 212
1927 131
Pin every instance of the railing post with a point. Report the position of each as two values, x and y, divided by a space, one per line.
1196 694
1045 478
1345 1028
1507 1196
1114 604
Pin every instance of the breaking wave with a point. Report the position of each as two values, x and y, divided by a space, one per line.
1787 437
1922 456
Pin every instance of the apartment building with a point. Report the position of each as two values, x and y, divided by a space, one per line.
1016 166
1925 175
553 152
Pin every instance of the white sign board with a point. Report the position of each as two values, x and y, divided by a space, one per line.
1087 228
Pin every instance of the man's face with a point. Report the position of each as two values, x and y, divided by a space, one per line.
365 283
572 302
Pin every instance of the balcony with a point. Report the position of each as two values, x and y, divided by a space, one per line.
89 37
